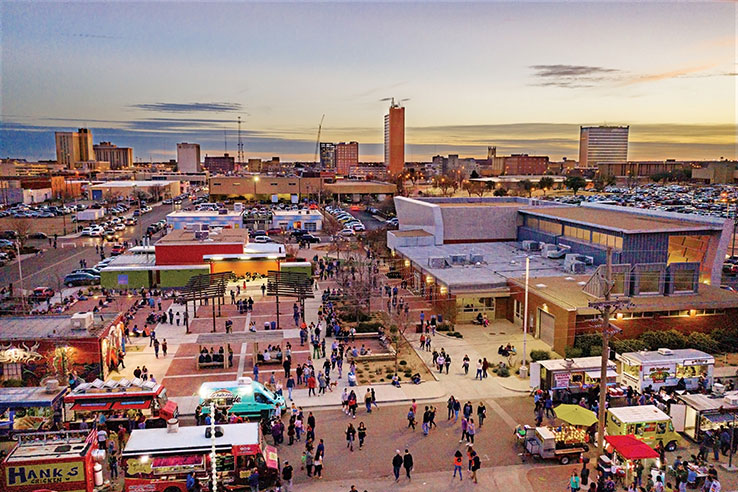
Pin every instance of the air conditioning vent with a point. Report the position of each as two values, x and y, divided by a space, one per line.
666 351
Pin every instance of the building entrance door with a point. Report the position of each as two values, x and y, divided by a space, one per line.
546 324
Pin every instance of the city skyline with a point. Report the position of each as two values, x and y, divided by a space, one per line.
151 77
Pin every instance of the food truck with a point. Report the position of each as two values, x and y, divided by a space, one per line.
245 398
60 461
666 367
159 460
695 414
563 444
120 401
646 422
573 375
30 409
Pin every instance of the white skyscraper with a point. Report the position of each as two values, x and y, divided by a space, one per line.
188 157
602 144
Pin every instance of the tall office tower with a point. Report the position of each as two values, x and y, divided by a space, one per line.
188 157
347 157
327 155
73 147
602 144
394 139
118 157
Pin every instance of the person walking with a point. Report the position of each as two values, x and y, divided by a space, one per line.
368 401
470 431
464 425
407 463
374 398
397 462
290 386
450 407
476 464
574 482
465 364
361 434
256 372
156 347
410 419
350 434
457 464
481 413
164 347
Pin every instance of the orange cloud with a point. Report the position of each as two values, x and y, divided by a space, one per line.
655 77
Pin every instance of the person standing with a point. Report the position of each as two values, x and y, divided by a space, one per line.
407 463
287 477
470 431
397 462
156 347
479 370
164 347
447 362
318 464
457 464
368 401
290 386
574 482
256 372
309 463
362 434
465 364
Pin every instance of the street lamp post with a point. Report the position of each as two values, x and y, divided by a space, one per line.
256 180
20 275
525 312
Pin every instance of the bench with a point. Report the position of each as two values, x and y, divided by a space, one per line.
273 360
207 365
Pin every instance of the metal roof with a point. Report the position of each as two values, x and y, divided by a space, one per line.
641 413
189 439
677 355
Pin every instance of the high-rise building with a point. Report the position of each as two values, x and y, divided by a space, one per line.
327 155
602 144
188 157
394 139
347 157
73 147
118 157
220 164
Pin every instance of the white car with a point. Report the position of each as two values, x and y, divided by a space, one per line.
346 233
358 227
263 239
119 227
93 231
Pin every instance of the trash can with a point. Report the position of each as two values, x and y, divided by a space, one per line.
274 325
524 372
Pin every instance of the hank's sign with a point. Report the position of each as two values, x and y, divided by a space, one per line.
44 473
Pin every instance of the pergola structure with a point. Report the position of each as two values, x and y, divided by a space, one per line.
211 286
290 284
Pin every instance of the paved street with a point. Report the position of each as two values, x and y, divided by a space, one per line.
49 268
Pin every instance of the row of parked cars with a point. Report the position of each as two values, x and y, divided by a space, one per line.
90 275
351 225
35 212
109 229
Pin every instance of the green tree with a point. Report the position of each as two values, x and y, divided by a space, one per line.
500 192
527 185
601 182
575 183
545 183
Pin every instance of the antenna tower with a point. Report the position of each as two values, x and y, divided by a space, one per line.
240 143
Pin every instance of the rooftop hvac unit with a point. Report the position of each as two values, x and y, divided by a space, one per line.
457 259
666 351
222 211
476 259
202 235
204 227
238 207
437 262
576 267
193 227
531 245
731 399
718 389
82 321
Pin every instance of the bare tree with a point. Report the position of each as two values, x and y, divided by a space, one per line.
21 226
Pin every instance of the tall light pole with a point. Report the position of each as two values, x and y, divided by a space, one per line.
213 455
256 180
20 275
525 312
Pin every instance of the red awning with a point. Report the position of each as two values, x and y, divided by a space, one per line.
186 460
91 406
134 404
631 448
170 410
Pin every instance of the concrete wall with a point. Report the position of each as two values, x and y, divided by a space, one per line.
416 214
179 277
479 223
136 279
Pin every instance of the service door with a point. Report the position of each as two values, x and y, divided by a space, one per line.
678 415
546 323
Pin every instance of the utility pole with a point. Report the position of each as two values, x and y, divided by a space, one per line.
240 145
525 312
607 308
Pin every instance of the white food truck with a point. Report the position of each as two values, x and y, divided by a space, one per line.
666 367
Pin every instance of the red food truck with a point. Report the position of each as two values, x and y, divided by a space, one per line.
159 460
121 401
62 461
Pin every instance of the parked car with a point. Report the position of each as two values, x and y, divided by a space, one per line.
274 230
76 279
37 235
118 249
358 227
346 233
8 235
309 238
90 270
263 239
130 221
42 293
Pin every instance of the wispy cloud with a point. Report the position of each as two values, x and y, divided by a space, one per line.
573 76
87 35
671 74
194 107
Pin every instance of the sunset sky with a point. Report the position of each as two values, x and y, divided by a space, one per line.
522 76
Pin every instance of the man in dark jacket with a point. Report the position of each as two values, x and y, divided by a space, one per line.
287 477
407 462
396 465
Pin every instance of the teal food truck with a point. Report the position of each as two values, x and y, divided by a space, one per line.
245 398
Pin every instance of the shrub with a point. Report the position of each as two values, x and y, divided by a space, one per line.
403 362
587 341
573 352
536 355
503 372
494 370
368 326
12 383
628 345
388 377
704 342
727 338
595 351
664 339
456 334
445 327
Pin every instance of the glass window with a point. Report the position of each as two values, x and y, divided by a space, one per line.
683 280
634 370
649 282
691 371
11 371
